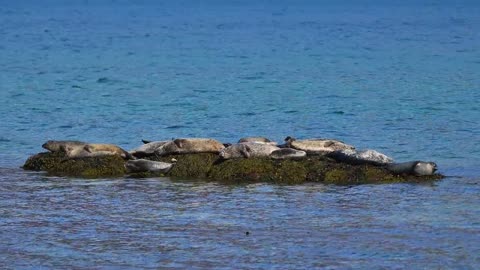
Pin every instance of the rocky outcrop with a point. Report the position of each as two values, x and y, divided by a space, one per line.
209 166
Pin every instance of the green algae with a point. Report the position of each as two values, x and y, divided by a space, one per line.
189 165
208 166
92 167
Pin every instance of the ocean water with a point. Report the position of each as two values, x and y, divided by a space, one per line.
402 78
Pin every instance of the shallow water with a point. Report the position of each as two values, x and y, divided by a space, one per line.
403 79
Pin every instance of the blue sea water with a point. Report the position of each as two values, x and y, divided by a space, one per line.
402 78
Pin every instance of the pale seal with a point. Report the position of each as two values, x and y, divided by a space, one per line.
354 157
147 149
317 146
288 153
144 165
256 140
190 146
247 150
419 168
59 146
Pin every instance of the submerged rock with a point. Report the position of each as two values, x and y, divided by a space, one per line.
210 166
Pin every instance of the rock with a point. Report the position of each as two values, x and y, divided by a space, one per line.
210 166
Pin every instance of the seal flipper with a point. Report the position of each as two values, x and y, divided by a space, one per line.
128 156
179 142
145 141
245 151
87 148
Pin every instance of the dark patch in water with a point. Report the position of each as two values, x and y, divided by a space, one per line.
291 111
66 126
175 127
17 95
76 86
247 114
200 91
338 112
103 80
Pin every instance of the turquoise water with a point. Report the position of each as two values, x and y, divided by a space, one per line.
403 79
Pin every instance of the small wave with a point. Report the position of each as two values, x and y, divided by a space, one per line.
175 127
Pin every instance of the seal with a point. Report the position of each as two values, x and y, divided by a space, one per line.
59 146
256 140
147 149
190 146
418 168
354 157
288 153
103 149
145 165
316 146
247 150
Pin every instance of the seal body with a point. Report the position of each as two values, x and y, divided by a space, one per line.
257 140
59 146
147 149
288 153
189 146
144 165
419 168
317 146
107 149
354 157
247 150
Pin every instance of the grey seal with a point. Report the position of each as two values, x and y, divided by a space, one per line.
59 146
317 146
144 165
247 150
256 140
419 168
354 157
190 146
147 149
288 153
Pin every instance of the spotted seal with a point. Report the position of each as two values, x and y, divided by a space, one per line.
288 153
147 149
247 150
189 146
354 157
419 168
59 146
144 165
316 146
257 140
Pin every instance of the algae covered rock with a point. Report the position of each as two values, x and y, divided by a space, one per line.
210 166
189 165
260 170
55 163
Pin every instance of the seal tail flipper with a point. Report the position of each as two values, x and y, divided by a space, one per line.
129 156
145 141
